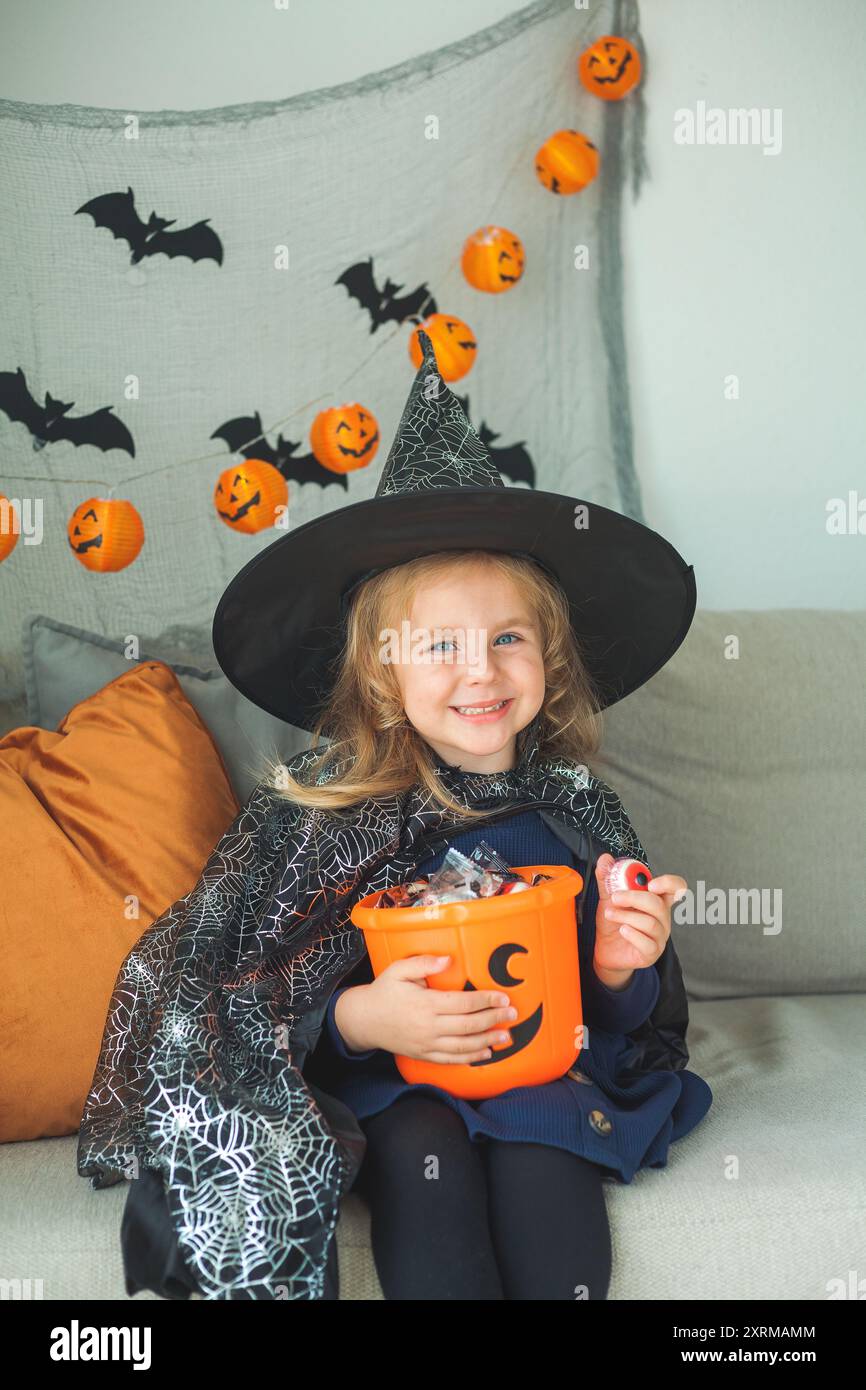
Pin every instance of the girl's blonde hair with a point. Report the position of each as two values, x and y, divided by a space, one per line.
382 754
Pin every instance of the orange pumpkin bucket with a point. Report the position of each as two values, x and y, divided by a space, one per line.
523 944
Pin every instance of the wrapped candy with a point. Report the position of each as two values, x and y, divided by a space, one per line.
461 878
540 878
402 894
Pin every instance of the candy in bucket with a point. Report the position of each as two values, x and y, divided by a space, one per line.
461 878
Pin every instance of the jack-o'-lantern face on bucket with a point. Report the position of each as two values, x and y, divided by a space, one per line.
521 943
523 1031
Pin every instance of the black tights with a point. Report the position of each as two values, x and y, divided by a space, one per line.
456 1219
500 1220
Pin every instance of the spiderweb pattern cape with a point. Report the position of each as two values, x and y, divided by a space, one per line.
222 999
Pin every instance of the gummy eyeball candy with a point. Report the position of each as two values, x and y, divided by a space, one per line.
625 874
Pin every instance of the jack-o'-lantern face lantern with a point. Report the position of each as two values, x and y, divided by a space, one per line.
85 527
567 162
247 496
493 259
523 1030
344 437
105 533
453 343
610 67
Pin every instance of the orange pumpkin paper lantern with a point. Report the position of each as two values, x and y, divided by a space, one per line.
10 525
567 162
610 67
493 259
248 494
524 943
453 343
105 533
344 437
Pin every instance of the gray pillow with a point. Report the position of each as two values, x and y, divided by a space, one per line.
749 773
13 712
64 664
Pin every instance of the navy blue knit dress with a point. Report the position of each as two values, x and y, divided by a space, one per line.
622 1123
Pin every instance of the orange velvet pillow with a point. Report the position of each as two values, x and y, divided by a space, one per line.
115 812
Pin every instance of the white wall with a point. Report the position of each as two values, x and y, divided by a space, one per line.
736 262
752 264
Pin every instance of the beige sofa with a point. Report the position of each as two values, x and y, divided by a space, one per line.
743 767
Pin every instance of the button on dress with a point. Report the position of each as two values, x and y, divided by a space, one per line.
620 1120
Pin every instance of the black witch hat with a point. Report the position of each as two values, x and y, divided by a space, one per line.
280 624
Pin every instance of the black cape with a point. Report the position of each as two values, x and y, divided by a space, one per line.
200 1088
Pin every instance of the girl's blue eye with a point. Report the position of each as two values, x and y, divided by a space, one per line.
447 641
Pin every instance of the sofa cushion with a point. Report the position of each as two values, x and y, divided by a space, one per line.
765 1200
107 822
742 764
64 664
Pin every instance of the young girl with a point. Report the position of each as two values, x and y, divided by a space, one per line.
455 641
514 1207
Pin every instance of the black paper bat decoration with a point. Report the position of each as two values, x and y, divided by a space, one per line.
116 211
382 305
49 422
513 461
305 469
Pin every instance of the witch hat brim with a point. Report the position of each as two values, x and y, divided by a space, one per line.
279 627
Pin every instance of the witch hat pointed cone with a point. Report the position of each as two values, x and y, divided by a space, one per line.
435 445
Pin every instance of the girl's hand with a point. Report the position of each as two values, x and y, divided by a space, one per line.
632 927
400 1012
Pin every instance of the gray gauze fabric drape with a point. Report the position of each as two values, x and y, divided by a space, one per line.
178 346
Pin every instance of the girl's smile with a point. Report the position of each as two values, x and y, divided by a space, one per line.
487 713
